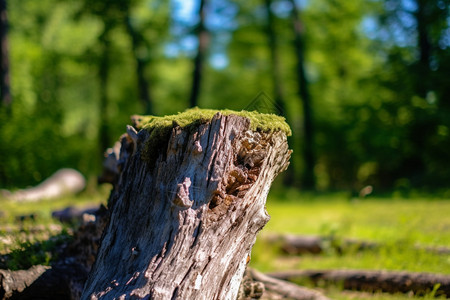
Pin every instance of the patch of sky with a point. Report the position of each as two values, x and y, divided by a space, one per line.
220 22
221 16
219 60
283 8
444 42
399 29
370 27
185 11
409 5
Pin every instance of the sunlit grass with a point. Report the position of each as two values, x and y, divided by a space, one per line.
403 227
421 221
44 208
24 224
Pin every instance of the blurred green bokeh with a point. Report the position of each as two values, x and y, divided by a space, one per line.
377 70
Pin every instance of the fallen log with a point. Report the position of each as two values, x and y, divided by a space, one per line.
62 182
375 281
187 205
274 286
15 282
314 244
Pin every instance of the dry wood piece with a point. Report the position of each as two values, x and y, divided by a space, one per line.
313 244
62 182
63 280
284 289
186 209
14 282
375 281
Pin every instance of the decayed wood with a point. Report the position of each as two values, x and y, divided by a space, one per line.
285 289
183 227
63 280
375 281
14 282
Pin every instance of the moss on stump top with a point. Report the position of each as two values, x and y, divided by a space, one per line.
194 117
160 128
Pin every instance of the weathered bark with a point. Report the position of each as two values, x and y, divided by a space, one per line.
14 282
61 281
182 226
375 281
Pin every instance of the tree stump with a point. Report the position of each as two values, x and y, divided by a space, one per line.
188 204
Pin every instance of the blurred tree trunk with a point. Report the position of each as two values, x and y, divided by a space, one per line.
103 72
203 40
274 60
424 42
4 67
308 180
280 107
143 84
425 122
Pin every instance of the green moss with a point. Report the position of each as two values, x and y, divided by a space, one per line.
160 128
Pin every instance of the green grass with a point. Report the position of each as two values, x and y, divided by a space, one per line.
31 241
44 208
418 220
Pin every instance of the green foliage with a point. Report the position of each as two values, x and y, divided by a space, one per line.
379 98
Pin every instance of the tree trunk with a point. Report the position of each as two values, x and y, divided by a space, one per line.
274 60
424 9
184 219
103 73
203 39
308 180
143 85
5 93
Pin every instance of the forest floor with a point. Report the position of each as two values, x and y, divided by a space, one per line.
403 228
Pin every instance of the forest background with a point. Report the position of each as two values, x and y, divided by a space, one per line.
365 85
